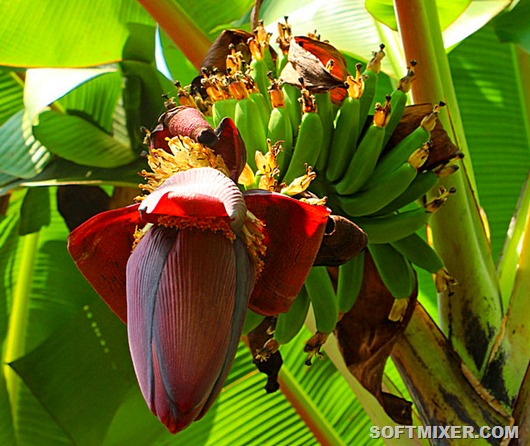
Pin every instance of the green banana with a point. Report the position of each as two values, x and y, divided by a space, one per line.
258 72
349 282
392 227
398 101
223 109
422 183
279 126
395 270
323 299
251 129
402 151
379 195
347 128
365 158
326 113
263 106
308 143
292 96
344 138
252 320
279 130
419 187
325 308
419 252
370 83
290 323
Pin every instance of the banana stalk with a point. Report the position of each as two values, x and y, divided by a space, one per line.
511 354
423 357
472 316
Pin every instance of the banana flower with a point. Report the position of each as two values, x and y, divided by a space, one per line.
181 266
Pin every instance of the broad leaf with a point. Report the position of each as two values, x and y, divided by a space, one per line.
92 32
77 140
20 154
83 378
62 172
514 27
45 85
11 94
496 129
35 211
383 10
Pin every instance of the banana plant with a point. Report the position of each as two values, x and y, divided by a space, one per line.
66 130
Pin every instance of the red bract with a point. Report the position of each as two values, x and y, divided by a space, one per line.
180 269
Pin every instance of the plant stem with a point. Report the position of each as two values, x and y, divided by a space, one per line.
509 362
15 339
433 375
471 318
191 40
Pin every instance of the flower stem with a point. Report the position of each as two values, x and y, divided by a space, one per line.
15 339
191 40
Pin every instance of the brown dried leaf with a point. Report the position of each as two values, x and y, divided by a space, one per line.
366 337
216 56
344 241
307 60
272 365
442 149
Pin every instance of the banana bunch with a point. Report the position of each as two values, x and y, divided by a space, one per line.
299 137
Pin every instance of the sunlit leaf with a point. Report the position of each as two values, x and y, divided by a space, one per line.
11 95
76 140
496 129
383 10
91 32
45 85
20 154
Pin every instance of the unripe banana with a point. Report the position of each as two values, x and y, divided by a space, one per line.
279 130
292 96
258 72
345 137
251 128
290 323
370 83
392 227
325 308
365 158
263 106
349 283
326 112
419 252
395 270
371 200
308 143
402 151
252 320
419 187
398 101
225 108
